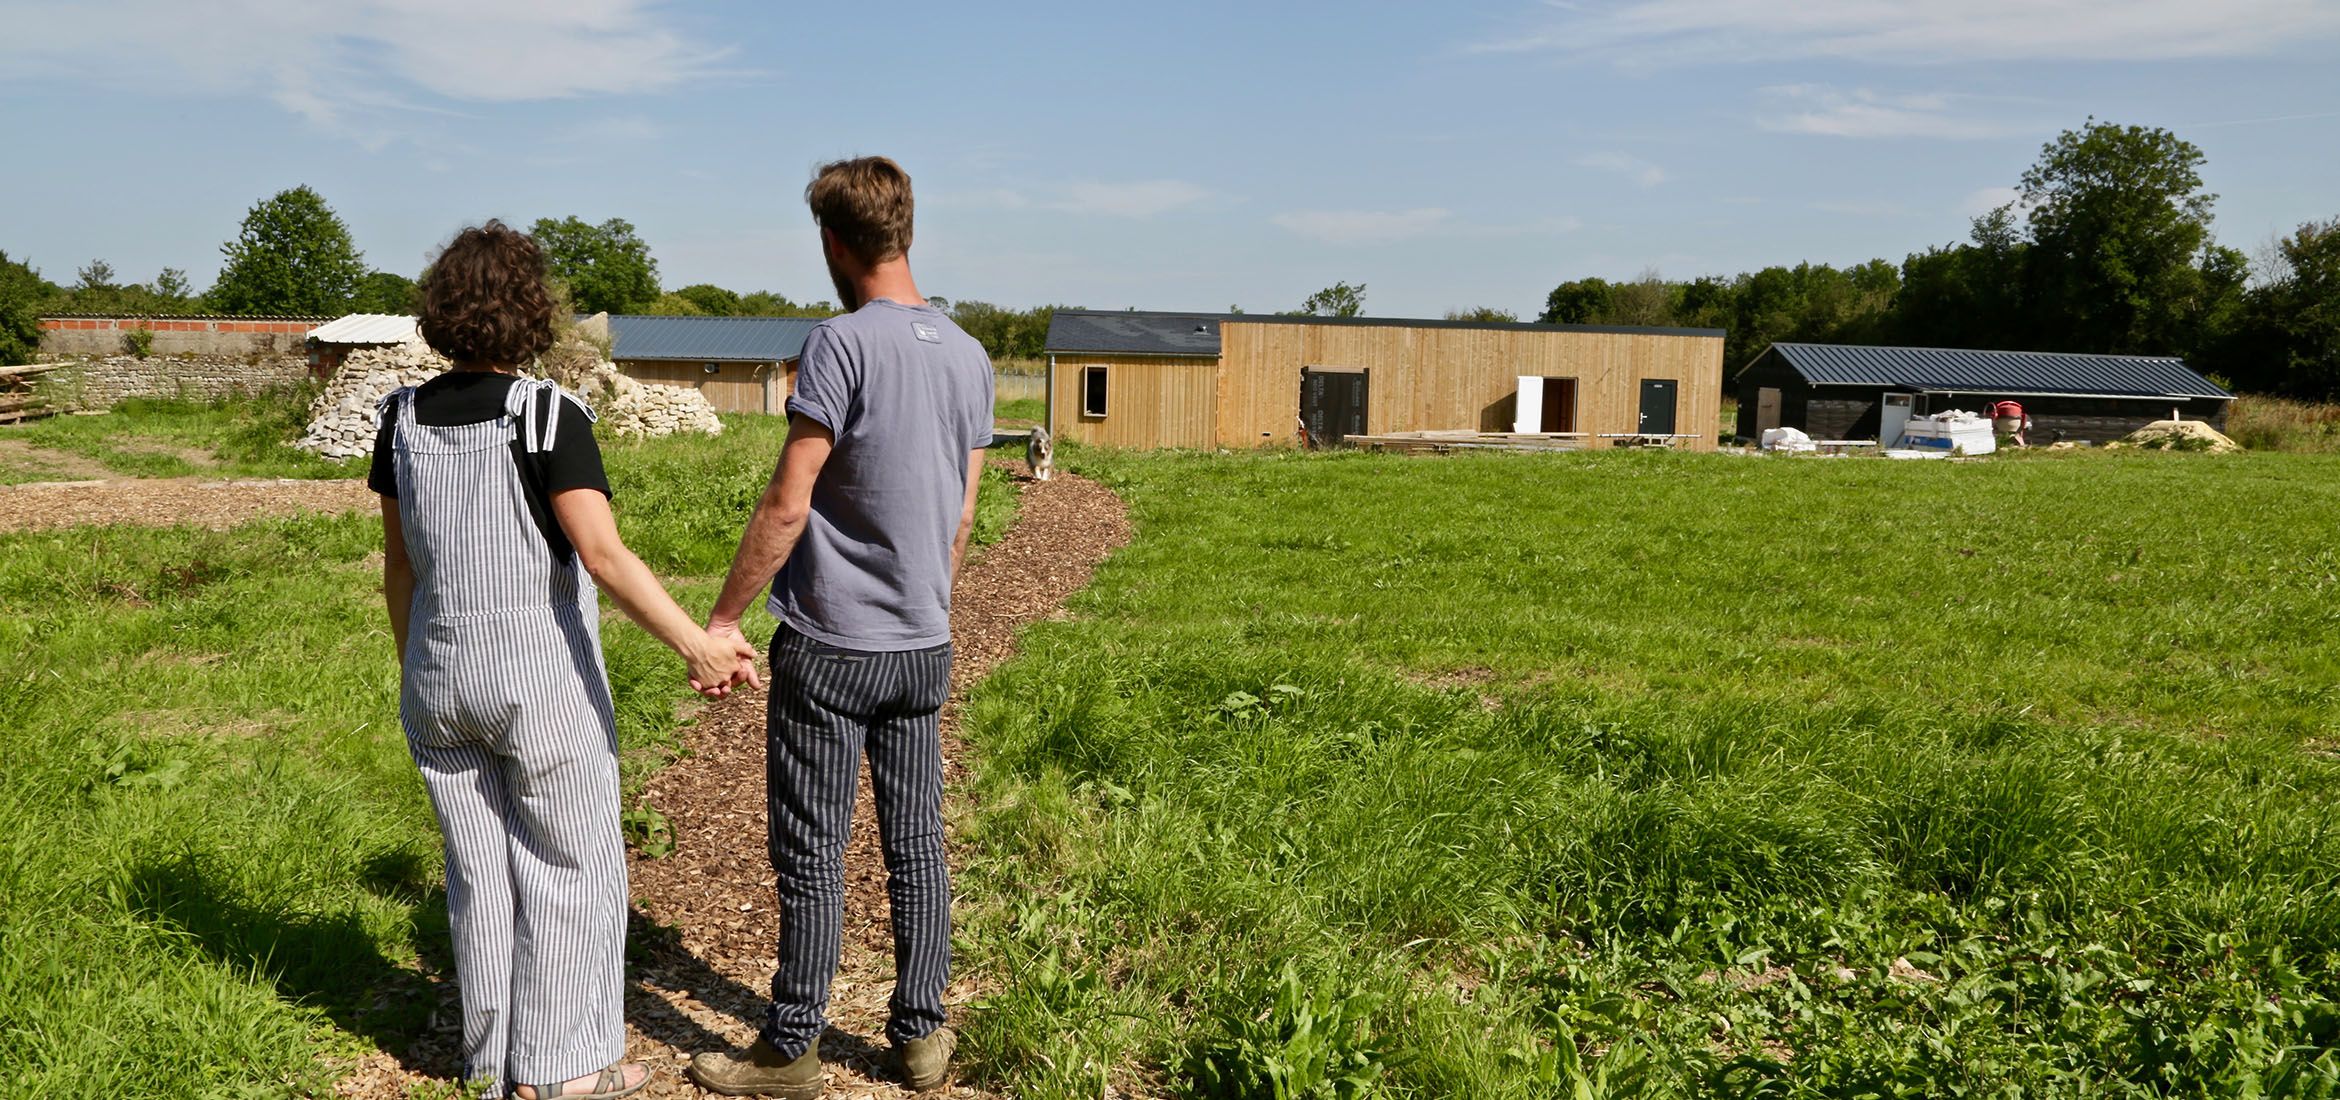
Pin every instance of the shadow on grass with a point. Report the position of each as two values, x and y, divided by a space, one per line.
327 961
412 1009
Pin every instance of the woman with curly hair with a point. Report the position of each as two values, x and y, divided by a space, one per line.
497 527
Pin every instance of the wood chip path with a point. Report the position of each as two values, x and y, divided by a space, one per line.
171 502
706 916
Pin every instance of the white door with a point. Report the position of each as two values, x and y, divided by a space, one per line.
1892 418
1529 414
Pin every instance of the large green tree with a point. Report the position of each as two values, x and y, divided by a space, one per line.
1337 300
2121 259
2290 340
712 300
22 292
385 292
1577 302
606 267
293 255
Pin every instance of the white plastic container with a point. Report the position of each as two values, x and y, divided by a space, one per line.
1949 433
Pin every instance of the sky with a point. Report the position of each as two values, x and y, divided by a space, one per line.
1472 153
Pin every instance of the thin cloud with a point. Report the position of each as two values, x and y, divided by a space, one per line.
352 67
1984 200
1138 199
1347 227
1142 199
1632 167
1861 113
1683 32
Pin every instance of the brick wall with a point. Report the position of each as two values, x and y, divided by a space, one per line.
78 337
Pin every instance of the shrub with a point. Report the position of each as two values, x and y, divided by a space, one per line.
139 342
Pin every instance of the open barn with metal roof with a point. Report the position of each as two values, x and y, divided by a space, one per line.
1212 380
1834 391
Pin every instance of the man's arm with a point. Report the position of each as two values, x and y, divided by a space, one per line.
967 511
778 522
397 574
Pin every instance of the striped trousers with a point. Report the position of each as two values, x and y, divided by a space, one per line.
521 764
829 705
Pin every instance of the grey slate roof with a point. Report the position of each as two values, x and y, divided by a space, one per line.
709 339
1136 332
1963 370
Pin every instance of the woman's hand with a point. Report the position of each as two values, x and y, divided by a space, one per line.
719 663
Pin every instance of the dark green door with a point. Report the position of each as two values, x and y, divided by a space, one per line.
1657 406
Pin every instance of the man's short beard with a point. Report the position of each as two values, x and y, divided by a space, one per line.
845 296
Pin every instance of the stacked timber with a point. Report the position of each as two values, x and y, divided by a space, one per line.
19 399
1448 442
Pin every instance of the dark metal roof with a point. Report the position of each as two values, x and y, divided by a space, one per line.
709 339
1961 370
1136 332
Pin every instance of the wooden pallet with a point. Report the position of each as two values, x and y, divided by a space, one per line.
1448 442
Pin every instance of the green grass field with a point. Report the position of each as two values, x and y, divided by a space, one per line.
219 864
173 438
1568 775
1673 775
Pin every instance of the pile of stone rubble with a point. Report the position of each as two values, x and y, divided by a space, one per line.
342 419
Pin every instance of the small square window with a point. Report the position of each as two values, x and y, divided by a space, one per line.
1093 392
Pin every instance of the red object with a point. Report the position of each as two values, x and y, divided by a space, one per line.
2007 408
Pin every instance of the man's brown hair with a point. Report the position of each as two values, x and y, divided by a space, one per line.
866 203
485 301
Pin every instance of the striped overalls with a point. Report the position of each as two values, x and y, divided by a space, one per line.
506 708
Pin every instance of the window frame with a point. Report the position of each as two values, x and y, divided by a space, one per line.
1103 390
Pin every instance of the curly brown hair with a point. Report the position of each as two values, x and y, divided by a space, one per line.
485 302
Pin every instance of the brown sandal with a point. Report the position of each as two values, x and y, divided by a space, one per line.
609 1085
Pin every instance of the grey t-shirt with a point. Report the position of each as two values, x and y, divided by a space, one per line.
907 395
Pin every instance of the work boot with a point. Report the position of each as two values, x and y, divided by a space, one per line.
761 1070
926 1063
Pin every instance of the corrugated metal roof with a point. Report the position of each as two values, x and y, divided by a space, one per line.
709 339
366 328
1962 370
1136 332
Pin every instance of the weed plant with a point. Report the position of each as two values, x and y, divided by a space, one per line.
1673 775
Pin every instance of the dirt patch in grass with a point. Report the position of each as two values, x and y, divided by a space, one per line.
171 502
706 916
18 456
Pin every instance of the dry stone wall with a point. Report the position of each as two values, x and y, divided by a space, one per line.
102 383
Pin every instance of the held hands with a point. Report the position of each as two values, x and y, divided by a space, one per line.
723 659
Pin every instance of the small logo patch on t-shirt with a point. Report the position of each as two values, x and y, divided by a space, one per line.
925 332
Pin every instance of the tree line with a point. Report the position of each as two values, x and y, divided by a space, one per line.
2107 248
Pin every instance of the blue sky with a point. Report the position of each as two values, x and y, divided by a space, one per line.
1159 156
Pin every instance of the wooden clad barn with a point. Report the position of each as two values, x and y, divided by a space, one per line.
1204 380
1831 391
742 364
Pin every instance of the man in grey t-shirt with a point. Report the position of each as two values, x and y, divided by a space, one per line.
860 534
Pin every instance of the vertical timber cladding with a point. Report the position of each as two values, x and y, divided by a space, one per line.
1441 377
1150 400
733 387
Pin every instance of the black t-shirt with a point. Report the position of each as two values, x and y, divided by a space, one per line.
470 397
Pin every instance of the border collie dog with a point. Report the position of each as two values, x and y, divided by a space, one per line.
1041 453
